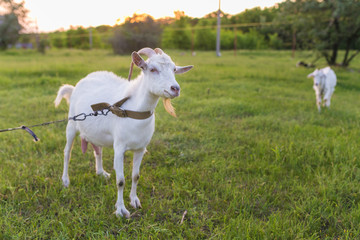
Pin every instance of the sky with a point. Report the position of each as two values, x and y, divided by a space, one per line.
52 15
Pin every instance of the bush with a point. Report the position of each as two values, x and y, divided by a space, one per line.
43 44
205 39
78 38
227 39
275 42
251 40
174 36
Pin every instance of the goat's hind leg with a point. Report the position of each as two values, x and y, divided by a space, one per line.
99 164
327 98
70 135
318 103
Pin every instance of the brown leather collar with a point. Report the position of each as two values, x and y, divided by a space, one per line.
120 112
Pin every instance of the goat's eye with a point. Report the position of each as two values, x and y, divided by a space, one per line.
153 70
174 69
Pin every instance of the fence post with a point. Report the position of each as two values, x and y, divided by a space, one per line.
235 41
293 43
218 33
192 42
90 38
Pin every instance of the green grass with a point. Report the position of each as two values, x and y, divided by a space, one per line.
249 156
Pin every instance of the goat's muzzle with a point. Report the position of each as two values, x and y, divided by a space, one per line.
175 90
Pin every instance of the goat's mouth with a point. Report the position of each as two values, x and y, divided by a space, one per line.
171 95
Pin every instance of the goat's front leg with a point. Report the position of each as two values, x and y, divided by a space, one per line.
318 103
138 155
120 180
327 102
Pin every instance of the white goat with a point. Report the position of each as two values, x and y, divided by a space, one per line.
124 133
324 85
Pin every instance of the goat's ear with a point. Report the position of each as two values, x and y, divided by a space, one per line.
313 74
138 60
185 69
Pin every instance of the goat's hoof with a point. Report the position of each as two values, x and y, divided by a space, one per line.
104 174
135 203
122 212
66 181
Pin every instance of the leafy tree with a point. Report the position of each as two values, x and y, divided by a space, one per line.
346 24
255 15
258 16
327 26
137 32
9 30
12 21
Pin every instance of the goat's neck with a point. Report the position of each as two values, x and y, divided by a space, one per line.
141 99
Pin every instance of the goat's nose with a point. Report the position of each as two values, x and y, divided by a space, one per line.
175 89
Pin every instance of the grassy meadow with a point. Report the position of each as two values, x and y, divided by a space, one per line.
249 156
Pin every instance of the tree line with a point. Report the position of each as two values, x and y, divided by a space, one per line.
325 26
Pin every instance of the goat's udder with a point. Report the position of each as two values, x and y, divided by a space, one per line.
84 145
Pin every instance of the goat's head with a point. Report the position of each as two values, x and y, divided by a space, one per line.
318 77
159 70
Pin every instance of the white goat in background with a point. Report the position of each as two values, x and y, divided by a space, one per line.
124 133
324 85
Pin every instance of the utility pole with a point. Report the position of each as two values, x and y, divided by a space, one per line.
293 43
218 33
37 36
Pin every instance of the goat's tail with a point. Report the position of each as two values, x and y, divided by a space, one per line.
65 91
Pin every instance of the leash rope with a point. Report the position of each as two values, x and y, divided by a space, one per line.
79 117
99 109
29 130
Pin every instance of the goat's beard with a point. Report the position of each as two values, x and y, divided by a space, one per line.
169 107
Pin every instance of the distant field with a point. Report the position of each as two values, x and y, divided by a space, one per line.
249 156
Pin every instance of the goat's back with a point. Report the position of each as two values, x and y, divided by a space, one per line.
330 77
95 88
